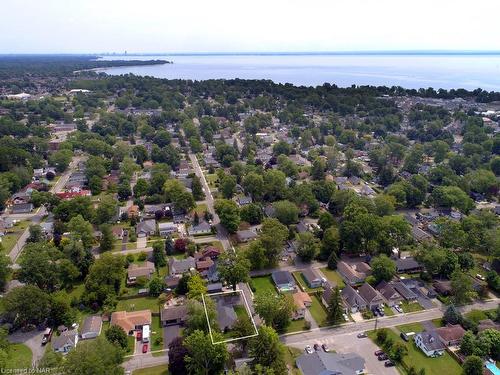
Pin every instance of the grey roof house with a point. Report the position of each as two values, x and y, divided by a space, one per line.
283 280
66 341
372 297
320 363
146 228
352 299
180 266
312 278
91 327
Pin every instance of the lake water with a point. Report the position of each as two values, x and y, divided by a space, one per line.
409 71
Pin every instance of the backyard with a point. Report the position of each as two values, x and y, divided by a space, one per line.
299 278
156 370
141 303
433 366
318 311
333 276
10 239
156 334
263 284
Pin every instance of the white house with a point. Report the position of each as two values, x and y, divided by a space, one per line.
430 343
66 341
167 228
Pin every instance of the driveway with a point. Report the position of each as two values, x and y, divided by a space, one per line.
32 340
170 333
142 242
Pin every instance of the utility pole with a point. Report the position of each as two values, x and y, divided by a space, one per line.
376 322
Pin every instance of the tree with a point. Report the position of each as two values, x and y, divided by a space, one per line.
473 365
156 286
96 357
326 220
107 238
383 268
335 308
399 350
95 184
27 305
272 236
256 254
330 244
197 189
267 351
251 213
384 204
462 287
308 246
159 254
169 245
36 234
286 212
81 230
228 186
233 268
275 310
466 261
5 270
451 196
243 327
318 169
68 273
274 185
203 356
332 261
468 344
176 354
38 266
452 315
253 184
196 286
106 211
489 341
229 214
117 336
197 316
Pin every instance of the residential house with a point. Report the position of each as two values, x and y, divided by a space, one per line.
150 210
430 343
214 288
312 278
419 234
66 341
389 293
355 273
443 287
487 324
329 288
181 266
202 228
353 300
135 271
408 265
205 266
173 315
302 301
283 280
131 321
118 232
146 228
372 297
404 291
22 208
243 201
226 316
172 281
321 363
91 327
245 235
166 229
133 211
211 252
451 335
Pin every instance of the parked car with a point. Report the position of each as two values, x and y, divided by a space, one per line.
380 311
375 312
145 348
480 277
389 364
316 347
383 357
139 335
398 309
346 318
362 335
47 335
379 352
325 348
308 349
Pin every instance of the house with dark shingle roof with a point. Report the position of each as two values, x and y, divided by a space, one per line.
389 293
283 280
91 327
353 273
405 292
451 335
408 265
372 297
173 315
353 300
312 277
66 341
321 363
430 343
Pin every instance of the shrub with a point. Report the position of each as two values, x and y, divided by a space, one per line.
307 325
142 256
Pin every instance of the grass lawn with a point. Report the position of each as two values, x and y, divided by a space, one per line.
263 284
295 326
201 208
241 312
156 332
412 327
211 180
291 355
433 366
13 234
438 322
476 315
388 311
76 291
156 370
216 244
318 311
299 278
131 344
411 306
140 303
333 276
20 357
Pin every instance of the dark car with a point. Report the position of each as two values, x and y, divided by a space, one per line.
145 348
379 352
389 364
383 357
325 348
316 347
362 335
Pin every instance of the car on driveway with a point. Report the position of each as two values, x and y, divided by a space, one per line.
325 348
398 309
362 335
379 352
389 364
308 349
316 347
383 357
145 348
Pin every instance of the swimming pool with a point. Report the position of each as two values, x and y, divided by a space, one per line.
493 368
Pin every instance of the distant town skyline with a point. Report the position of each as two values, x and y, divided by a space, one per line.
190 26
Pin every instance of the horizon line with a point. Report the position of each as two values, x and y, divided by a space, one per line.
264 53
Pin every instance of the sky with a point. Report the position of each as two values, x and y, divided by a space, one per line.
185 26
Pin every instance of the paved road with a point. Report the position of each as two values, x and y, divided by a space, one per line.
41 212
310 337
145 360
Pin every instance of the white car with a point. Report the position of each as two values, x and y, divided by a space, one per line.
398 309
308 349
